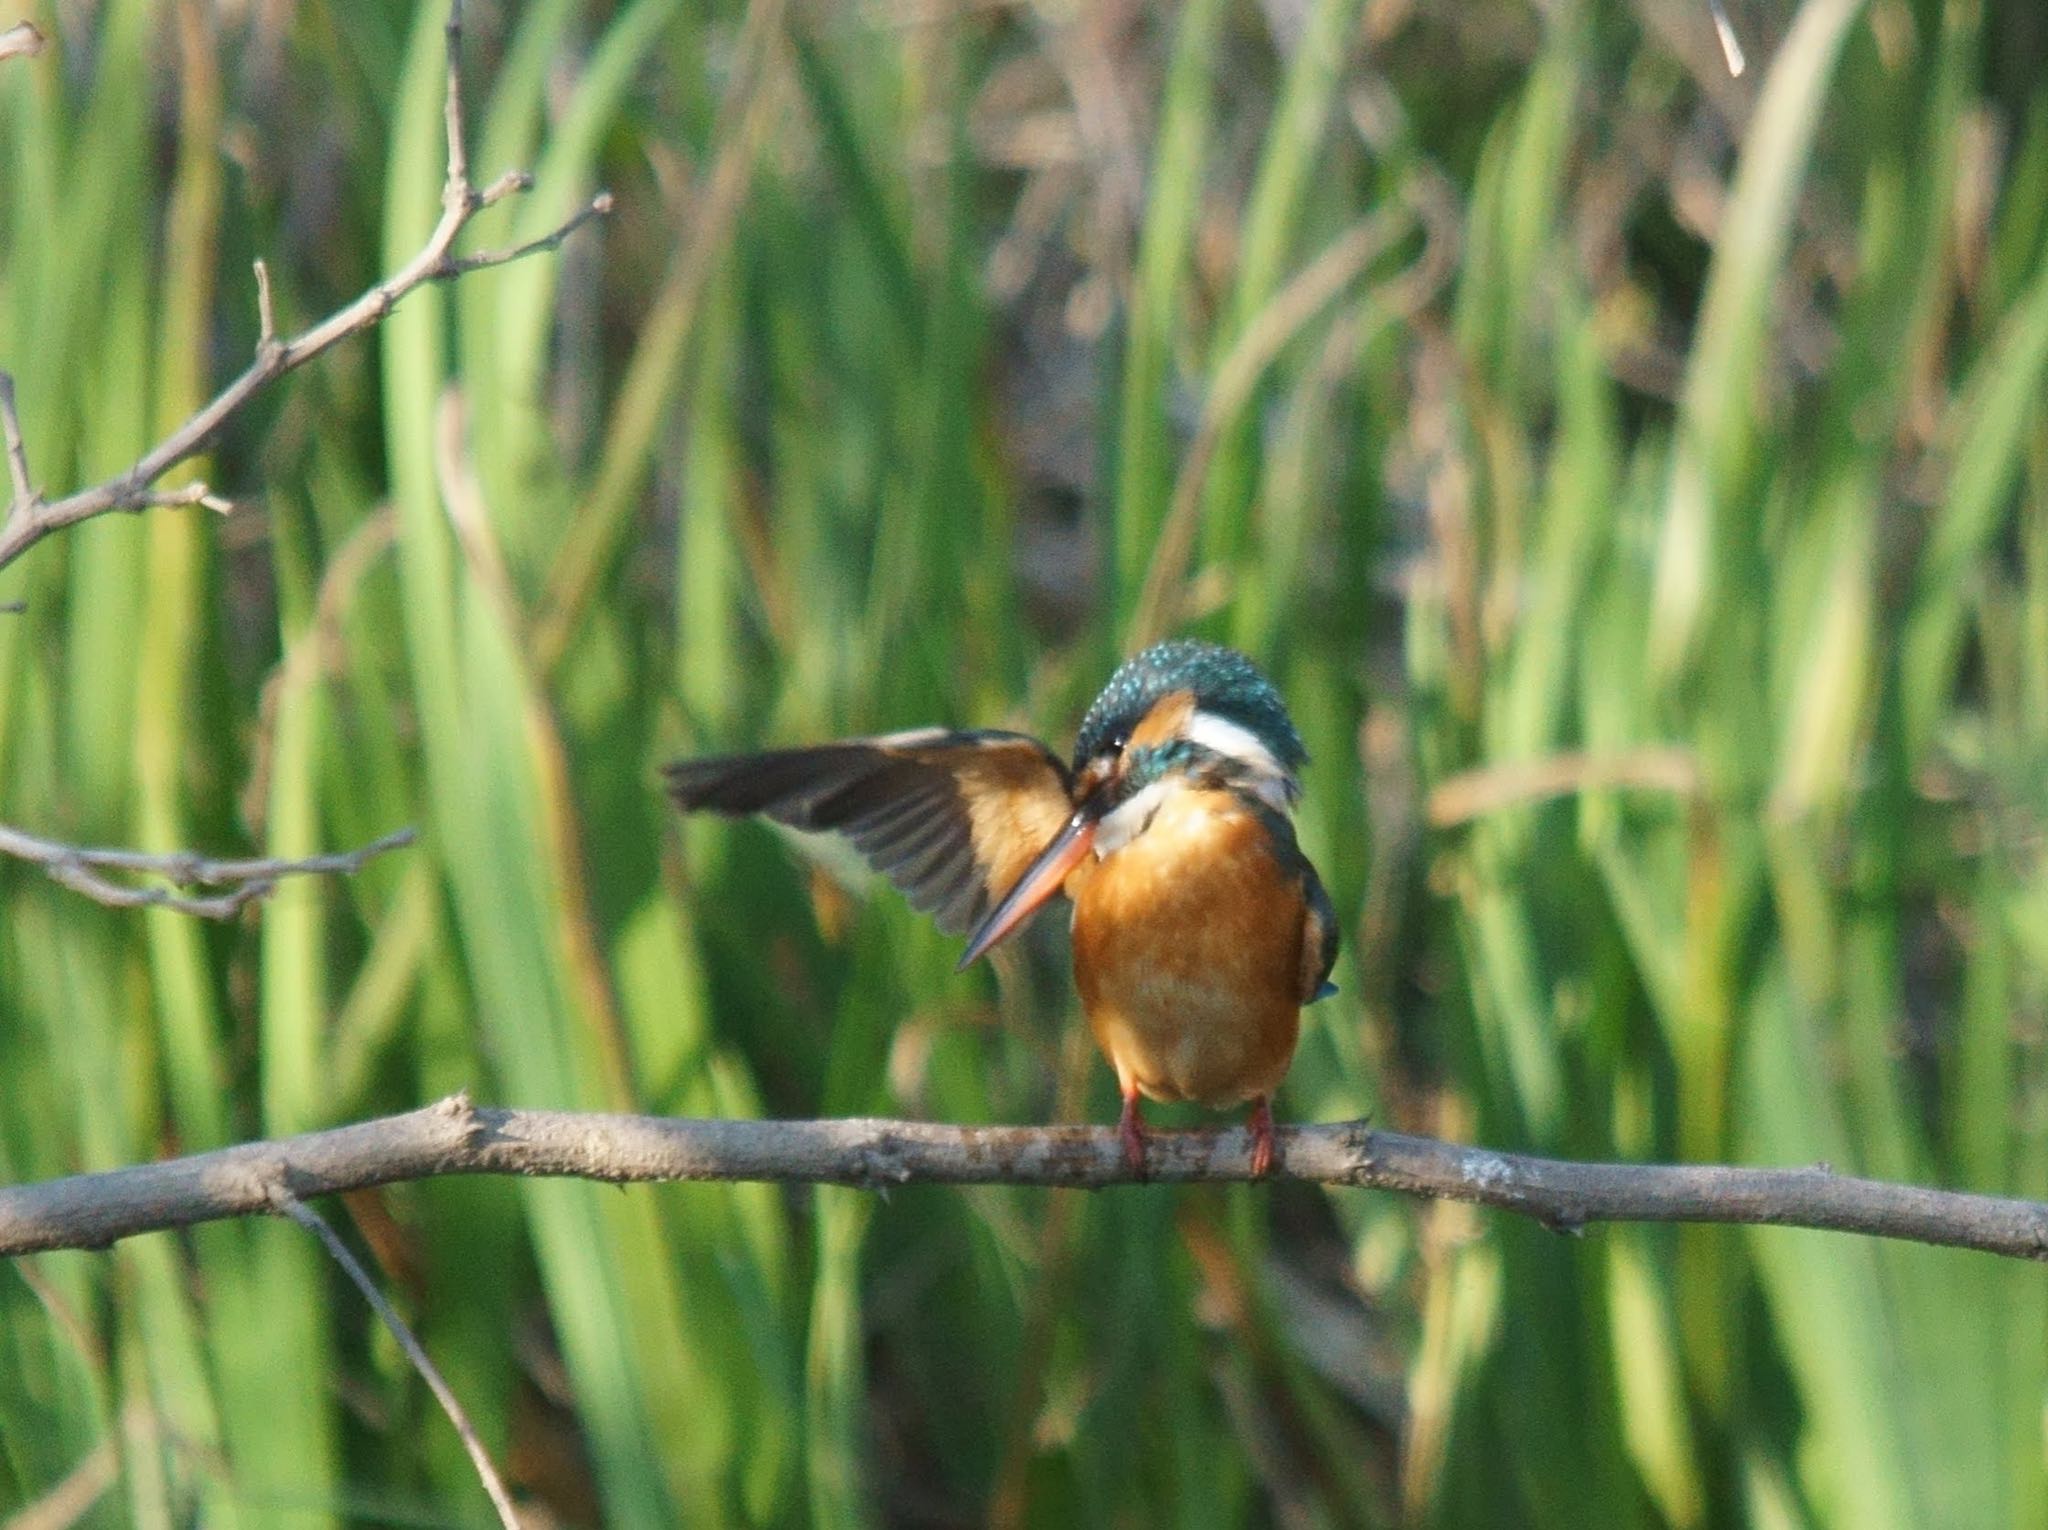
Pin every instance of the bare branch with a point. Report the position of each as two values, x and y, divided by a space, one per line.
291 1206
21 40
600 206
191 494
511 183
456 1137
456 131
83 870
222 906
30 517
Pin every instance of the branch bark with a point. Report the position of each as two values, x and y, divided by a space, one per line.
456 1137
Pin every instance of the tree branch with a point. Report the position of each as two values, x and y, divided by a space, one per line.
30 517
456 1137
82 869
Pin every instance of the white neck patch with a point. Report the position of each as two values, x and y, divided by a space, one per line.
1128 820
1271 780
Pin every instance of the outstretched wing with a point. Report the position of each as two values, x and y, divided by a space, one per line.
953 819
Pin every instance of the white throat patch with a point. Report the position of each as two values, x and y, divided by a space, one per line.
1129 818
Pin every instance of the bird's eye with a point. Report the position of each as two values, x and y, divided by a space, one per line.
1117 742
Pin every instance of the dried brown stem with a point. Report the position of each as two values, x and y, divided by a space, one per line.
456 1137
30 517
73 1499
1235 384
1474 793
241 882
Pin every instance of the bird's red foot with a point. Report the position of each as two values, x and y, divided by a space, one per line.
1130 1128
1264 1151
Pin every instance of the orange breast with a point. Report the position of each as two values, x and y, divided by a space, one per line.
1187 953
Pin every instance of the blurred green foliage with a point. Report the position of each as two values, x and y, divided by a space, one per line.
1636 479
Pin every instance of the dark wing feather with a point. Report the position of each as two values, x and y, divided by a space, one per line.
1319 928
1318 938
953 819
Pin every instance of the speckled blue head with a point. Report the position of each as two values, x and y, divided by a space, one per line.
1224 683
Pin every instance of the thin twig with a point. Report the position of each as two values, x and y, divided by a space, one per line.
82 869
600 206
30 517
221 906
456 1137
287 1204
458 184
175 499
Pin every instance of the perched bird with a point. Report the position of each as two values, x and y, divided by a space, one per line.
1200 929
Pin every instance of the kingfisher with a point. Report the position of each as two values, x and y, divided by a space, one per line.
1199 927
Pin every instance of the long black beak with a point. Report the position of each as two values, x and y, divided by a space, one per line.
1035 888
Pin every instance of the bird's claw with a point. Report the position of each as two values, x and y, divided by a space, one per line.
1130 1130
1264 1149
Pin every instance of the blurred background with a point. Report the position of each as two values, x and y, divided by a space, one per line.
1635 477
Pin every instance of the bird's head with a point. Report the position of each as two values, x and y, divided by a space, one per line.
1181 714
1185 712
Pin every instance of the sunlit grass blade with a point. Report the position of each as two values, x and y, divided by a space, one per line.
1716 439
485 823
1144 462
1296 135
